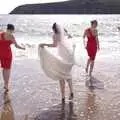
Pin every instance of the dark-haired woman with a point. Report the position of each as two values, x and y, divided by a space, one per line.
6 40
92 45
58 66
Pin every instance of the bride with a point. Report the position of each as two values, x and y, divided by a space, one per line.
58 64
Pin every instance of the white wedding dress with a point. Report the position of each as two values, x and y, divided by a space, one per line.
57 62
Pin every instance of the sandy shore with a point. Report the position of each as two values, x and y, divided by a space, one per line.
33 96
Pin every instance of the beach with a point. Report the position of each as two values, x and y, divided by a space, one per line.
34 96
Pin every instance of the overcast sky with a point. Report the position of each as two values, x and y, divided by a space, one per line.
7 5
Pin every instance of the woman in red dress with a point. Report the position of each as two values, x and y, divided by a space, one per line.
92 45
6 40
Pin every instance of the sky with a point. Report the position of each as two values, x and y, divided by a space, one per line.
7 5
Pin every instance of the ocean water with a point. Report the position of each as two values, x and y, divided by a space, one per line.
34 29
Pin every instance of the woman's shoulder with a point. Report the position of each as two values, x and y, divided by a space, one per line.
2 35
2 32
87 30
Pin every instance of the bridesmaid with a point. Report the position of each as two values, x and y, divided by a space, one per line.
6 40
92 45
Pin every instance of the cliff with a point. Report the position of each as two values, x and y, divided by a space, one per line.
71 7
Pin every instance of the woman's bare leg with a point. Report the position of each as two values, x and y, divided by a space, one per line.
70 88
91 67
62 88
87 66
70 85
6 77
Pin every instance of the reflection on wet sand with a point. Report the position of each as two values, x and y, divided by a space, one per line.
36 97
7 112
91 106
58 112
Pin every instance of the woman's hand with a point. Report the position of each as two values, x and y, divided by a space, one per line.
41 45
23 48
69 36
19 47
98 49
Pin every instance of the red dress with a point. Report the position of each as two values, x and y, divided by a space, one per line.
5 52
91 45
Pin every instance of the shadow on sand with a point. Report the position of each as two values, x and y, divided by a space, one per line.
69 111
58 112
94 83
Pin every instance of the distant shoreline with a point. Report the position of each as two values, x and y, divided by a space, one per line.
69 7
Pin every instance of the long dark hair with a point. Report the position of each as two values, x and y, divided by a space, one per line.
94 22
55 29
10 27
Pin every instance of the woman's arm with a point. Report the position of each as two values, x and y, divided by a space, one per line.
84 35
69 36
0 36
54 44
18 46
98 45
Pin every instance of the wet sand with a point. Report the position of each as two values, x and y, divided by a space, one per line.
33 96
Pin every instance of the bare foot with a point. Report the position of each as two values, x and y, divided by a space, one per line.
63 100
71 96
6 89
